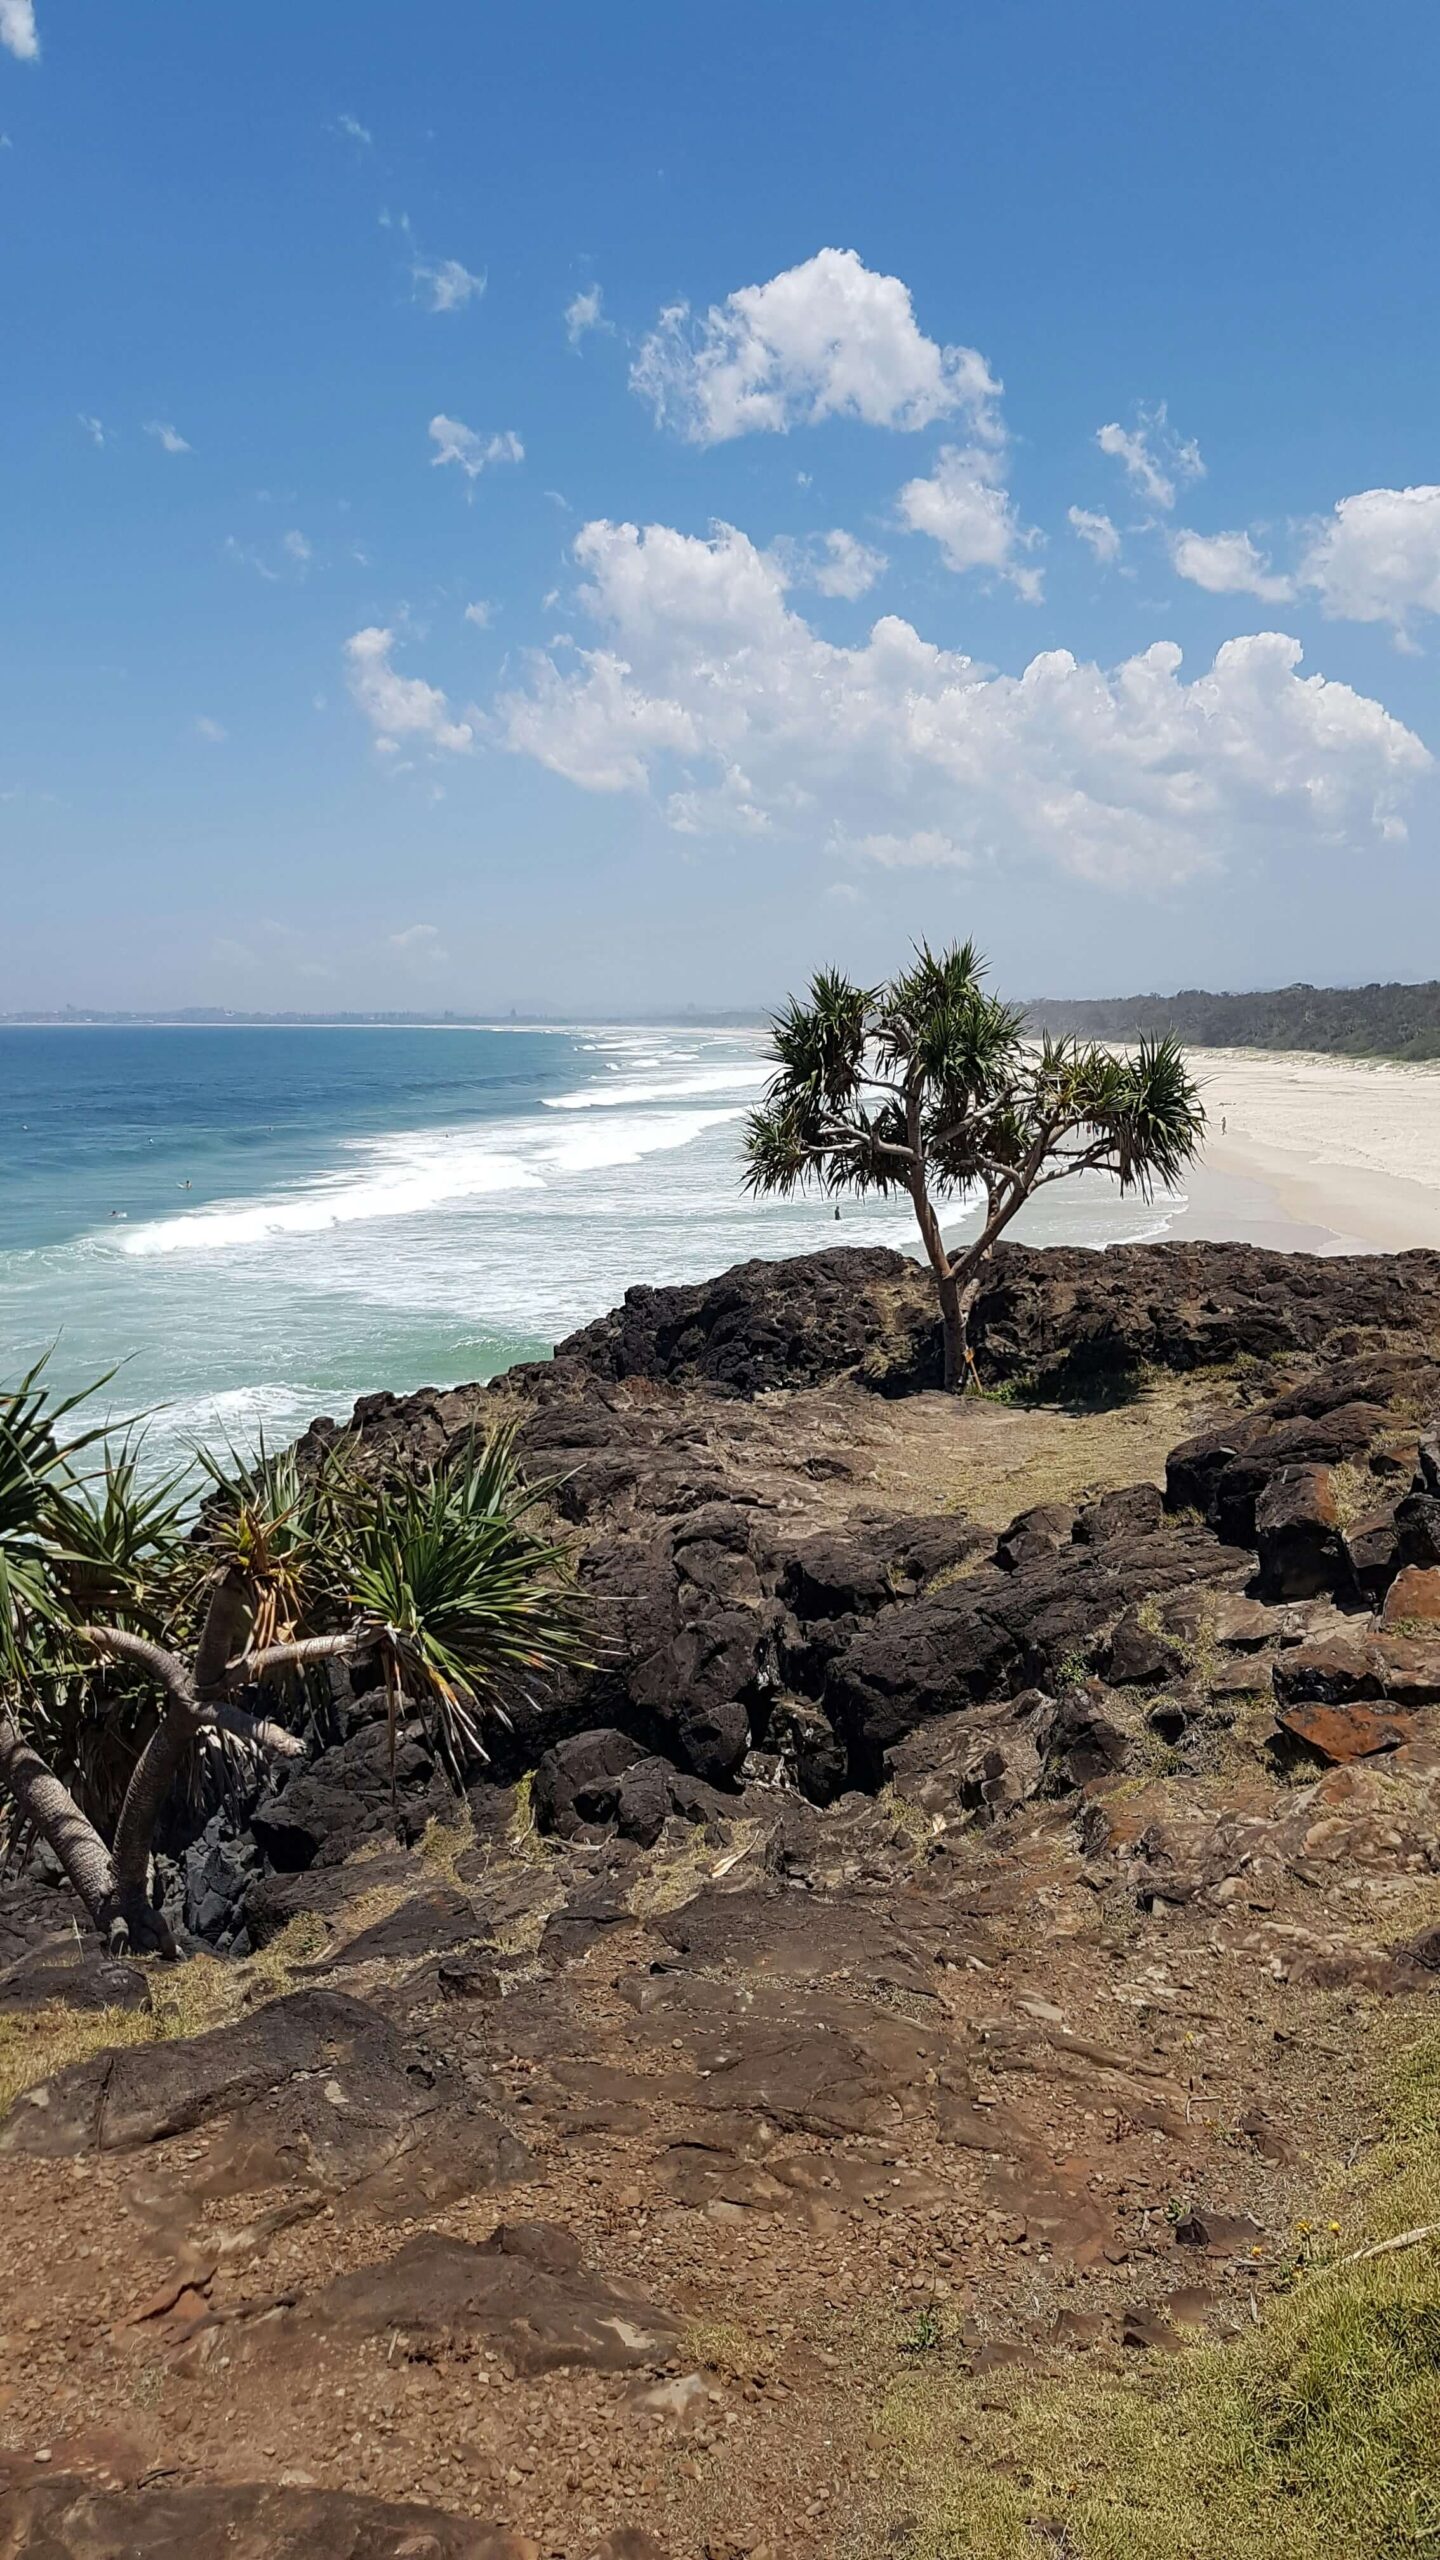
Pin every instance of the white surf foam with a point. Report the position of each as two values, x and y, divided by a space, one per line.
409 1175
743 1076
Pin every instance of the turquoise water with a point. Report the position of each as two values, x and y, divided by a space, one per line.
261 1225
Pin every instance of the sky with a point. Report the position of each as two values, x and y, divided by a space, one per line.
586 509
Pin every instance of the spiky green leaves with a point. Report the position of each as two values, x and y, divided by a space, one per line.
468 1600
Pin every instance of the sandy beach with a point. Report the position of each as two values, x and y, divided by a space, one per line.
1316 1154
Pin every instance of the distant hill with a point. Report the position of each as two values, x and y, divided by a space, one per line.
1351 1022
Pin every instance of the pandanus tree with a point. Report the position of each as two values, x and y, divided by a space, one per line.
199 1641
928 1086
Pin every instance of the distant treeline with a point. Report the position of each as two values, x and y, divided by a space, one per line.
1353 1022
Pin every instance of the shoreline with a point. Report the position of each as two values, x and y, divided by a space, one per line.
1317 1152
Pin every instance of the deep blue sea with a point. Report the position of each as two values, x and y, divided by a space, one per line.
260 1225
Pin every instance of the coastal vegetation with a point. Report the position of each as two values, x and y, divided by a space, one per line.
138 1654
1349 1022
928 1085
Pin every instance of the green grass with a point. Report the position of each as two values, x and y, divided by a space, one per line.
1316 2436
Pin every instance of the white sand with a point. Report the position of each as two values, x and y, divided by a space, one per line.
1317 1154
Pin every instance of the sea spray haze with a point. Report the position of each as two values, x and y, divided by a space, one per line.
302 1215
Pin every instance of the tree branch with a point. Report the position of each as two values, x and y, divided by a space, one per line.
165 1668
259 1731
295 1657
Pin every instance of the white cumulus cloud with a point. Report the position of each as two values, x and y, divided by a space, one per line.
834 564
1097 530
446 286
706 690
17 29
95 428
827 339
1228 564
1155 458
399 706
1376 558
481 613
169 438
966 508
460 444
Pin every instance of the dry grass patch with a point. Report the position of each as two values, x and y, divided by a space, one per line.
185 2000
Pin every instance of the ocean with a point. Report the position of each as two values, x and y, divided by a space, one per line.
254 1226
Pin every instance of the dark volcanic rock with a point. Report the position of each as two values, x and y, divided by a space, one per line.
854 1571
346 1796
71 2519
1223 1473
313 2088
691 1630
82 1977
996 1633
1297 1535
774 1324
1048 1314
577 1784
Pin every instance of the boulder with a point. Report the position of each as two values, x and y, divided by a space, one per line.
1374 1550
350 1794
855 1571
1035 1534
577 1784
1341 1734
1137 1654
1368 1665
1134 1511
1298 1535
1413 1598
1417 1528
1222 1473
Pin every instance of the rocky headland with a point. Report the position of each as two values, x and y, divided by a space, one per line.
951 1924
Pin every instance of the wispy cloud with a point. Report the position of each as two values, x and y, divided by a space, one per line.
293 552
168 437
17 29
455 442
1154 457
1097 530
356 131
446 285
481 613
95 428
584 313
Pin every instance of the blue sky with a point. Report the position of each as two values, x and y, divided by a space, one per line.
577 507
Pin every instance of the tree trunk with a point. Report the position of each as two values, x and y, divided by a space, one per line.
49 1808
953 1312
225 1634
